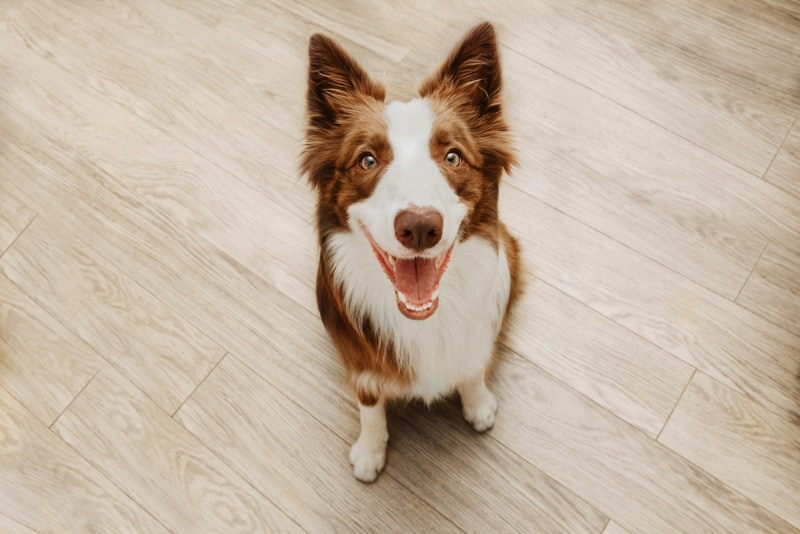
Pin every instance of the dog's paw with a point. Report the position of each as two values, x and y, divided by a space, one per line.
481 415
367 458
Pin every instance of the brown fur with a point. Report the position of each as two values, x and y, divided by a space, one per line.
345 121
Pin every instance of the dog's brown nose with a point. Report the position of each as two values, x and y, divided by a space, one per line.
418 228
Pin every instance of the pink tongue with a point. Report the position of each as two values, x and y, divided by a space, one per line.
416 279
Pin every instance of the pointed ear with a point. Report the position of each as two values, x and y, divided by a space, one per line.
334 78
473 70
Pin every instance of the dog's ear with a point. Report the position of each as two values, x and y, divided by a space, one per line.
334 78
473 70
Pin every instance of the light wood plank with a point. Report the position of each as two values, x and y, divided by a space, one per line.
48 487
183 188
785 168
42 364
209 13
154 347
656 73
640 184
243 101
619 470
15 214
153 459
12 527
614 528
380 57
293 459
773 290
480 484
750 448
609 364
755 41
709 332
234 307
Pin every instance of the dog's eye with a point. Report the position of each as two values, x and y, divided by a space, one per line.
453 159
368 162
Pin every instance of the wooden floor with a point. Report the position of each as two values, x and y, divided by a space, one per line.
162 364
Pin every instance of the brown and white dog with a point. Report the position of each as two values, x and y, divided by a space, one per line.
416 271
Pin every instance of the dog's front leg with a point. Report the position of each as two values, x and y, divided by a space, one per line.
479 405
368 454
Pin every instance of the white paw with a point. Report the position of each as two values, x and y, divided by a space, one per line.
368 458
482 414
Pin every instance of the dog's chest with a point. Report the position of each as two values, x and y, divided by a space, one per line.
458 340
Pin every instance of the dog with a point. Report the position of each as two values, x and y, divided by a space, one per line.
416 271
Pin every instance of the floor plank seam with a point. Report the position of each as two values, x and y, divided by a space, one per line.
621 243
130 110
635 112
572 389
675 406
200 383
521 458
233 468
19 234
753 270
96 467
777 152
106 363
620 325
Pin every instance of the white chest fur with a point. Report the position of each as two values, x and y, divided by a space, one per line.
455 343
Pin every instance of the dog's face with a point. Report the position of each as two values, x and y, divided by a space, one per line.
412 178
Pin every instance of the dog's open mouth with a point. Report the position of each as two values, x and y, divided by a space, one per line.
416 280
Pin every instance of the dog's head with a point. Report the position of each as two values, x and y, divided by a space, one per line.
413 178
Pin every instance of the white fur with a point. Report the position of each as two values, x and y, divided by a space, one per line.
412 178
368 454
453 347
456 342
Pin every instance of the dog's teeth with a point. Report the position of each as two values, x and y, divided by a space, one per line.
435 295
403 298
392 260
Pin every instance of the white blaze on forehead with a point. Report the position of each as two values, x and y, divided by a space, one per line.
412 178
410 125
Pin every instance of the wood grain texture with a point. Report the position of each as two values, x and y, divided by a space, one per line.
711 333
42 363
12 527
740 442
619 470
614 528
656 72
159 464
637 183
258 125
15 215
785 169
48 487
155 348
292 458
481 485
181 186
237 309
151 208
586 350
773 289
